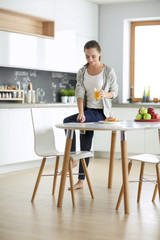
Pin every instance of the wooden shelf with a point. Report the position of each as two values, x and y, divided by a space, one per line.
27 24
12 97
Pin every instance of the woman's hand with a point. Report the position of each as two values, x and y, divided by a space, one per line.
81 118
103 94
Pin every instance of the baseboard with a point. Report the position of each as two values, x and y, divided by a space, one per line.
24 165
36 163
101 154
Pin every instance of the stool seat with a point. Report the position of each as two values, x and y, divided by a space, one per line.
148 158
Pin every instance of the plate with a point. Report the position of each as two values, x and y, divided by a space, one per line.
109 122
149 120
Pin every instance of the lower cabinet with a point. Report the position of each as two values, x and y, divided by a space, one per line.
16 133
17 142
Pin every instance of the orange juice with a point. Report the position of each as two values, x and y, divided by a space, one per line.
96 94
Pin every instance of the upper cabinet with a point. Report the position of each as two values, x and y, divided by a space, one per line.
27 24
76 22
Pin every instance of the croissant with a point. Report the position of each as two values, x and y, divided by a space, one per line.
111 119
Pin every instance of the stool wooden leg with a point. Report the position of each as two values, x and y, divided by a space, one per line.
112 157
140 181
121 192
158 178
71 183
87 176
55 175
38 178
155 192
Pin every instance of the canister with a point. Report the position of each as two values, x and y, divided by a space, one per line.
19 95
14 94
33 100
28 97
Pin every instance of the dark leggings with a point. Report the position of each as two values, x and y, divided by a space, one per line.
91 115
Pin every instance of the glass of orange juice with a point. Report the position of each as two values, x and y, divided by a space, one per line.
96 94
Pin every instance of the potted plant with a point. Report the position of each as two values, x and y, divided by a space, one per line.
71 95
64 95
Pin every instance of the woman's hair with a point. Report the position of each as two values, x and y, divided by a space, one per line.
92 44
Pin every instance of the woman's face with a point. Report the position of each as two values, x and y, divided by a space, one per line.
92 56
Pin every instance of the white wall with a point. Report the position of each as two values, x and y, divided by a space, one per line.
75 23
111 24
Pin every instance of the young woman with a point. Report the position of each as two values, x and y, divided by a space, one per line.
93 75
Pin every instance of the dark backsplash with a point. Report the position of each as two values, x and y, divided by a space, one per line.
50 81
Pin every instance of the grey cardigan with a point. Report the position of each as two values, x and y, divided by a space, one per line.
109 85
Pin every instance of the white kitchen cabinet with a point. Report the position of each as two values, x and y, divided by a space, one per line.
41 8
87 19
80 16
152 144
17 142
65 14
137 141
16 138
74 20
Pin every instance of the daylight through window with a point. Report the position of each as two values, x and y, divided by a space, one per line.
145 59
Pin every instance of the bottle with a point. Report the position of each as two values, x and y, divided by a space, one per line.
131 95
18 85
148 95
144 95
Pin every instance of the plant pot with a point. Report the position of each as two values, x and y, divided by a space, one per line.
64 99
71 99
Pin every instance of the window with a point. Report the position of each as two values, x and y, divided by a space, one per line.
145 59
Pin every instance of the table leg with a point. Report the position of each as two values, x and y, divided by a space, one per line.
65 167
158 178
112 157
124 156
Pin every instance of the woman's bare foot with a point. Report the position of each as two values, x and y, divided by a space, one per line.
78 185
74 162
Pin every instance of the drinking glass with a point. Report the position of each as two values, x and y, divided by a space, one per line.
96 94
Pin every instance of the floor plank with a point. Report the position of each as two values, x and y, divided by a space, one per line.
90 219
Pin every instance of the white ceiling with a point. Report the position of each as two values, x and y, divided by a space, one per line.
117 1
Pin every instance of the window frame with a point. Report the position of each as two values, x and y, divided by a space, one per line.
132 53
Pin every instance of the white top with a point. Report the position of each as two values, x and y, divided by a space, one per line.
90 83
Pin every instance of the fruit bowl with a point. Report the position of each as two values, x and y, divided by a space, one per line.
147 115
147 120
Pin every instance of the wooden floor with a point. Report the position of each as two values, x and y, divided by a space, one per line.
90 219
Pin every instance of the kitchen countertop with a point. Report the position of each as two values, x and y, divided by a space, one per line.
35 105
136 105
59 105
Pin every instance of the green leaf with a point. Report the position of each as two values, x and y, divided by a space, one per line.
63 92
71 92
